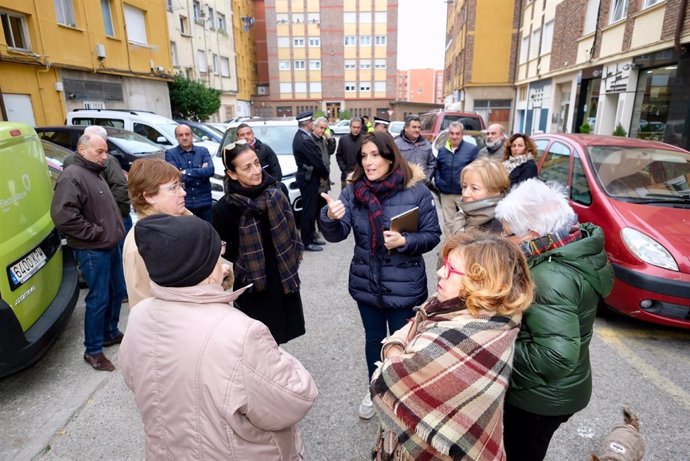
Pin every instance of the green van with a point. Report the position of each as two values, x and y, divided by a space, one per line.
38 279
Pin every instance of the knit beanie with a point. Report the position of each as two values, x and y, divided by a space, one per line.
179 251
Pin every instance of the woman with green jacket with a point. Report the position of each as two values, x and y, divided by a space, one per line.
552 377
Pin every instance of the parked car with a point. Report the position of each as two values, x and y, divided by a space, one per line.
156 128
124 145
341 127
638 192
38 284
278 134
433 123
473 137
396 127
204 131
55 157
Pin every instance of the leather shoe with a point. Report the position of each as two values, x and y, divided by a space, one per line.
112 341
99 362
312 247
319 242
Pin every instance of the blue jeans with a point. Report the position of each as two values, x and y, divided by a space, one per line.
378 324
102 271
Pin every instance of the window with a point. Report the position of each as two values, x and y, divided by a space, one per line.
214 63
349 18
380 40
16 33
314 42
221 22
579 190
350 64
365 87
298 42
136 25
300 64
107 18
556 164
184 25
365 64
201 61
547 38
286 87
315 64
380 64
380 87
534 44
350 40
282 18
364 40
168 5
314 18
211 18
224 66
283 65
618 10
315 87
283 42
380 17
350 87
64 11
298 18
300 87
173 53
196 7
648 3
146 131
524 46
365 17
540 144
591 16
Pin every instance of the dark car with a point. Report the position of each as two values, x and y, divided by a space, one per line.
203 131
433 123
638 192
124 145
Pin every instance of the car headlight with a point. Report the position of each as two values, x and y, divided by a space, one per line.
648 249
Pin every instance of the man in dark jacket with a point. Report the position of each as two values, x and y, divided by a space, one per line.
415 148
451 160
84 209
196 166
310 171
348 149
267 157
552 376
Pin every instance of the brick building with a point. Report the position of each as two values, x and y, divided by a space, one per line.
420 85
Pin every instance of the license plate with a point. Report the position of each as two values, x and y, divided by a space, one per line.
28 266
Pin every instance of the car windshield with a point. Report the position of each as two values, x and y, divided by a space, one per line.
278 137
169 130
133 143
642 172
470 123
471 137
55 152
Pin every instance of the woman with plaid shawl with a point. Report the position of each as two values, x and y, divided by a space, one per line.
255 220
439 392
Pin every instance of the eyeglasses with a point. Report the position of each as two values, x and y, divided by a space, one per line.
174 187
448 269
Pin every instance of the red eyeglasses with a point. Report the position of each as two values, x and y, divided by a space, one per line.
448 269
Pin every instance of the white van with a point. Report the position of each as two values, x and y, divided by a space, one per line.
157 128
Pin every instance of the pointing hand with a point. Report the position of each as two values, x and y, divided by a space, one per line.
336 209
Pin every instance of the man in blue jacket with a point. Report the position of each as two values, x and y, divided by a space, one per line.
452 158
196 166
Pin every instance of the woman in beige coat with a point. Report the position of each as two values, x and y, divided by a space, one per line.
209 382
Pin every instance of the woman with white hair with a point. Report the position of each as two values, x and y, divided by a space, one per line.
551 377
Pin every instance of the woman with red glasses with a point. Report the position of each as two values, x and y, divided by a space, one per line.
439 392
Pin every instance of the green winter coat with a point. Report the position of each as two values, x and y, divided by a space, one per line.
551 369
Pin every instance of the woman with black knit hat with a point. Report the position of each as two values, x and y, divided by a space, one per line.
255 220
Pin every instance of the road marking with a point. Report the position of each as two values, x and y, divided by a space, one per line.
653 334
611 338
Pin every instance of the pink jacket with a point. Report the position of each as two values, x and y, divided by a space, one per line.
211 382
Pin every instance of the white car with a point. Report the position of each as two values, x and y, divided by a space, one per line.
341 127
472 137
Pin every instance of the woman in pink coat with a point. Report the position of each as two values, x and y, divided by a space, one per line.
209 381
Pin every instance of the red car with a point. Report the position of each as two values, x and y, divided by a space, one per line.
638 192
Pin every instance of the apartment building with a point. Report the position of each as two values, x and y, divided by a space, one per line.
481 42
604 63
420 85
245 54
59 55
203 49
327 55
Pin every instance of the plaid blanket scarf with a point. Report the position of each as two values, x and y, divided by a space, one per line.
251 264
443 397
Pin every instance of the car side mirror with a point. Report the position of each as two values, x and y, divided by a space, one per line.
205 138
161 140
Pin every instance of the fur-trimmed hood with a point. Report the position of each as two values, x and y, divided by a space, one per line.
417 176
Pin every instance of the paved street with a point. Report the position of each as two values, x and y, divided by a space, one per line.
61 409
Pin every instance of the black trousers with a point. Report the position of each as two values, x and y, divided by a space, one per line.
310 210
526 435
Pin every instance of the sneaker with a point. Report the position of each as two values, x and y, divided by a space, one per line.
366 408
